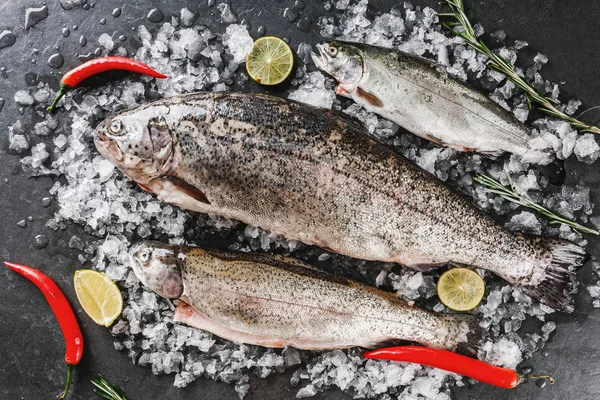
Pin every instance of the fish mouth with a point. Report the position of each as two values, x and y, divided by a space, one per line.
107 147
321 59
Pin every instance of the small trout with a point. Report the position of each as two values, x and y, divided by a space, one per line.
275 301
316 176
413 93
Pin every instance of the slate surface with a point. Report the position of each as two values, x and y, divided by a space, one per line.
31 345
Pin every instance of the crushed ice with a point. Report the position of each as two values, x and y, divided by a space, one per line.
96 196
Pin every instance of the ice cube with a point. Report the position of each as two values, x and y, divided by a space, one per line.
505 353
76 243
39 154
106 41
525 222
17 143
187 17
42 95
238 42
23 98
415 281
291 356
499 35
227 14
587 149
313 91
308 390
381 278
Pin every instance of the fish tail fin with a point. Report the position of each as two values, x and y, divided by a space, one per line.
468 333
556 283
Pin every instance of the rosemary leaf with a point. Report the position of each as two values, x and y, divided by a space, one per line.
107 390
524 200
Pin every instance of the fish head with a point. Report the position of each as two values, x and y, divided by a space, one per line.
158 266
138 142
341 60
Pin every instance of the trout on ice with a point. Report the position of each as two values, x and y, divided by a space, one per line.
315 175
413 93
275 301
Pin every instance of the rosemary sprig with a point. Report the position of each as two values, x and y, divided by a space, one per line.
524 200
461 26
107 390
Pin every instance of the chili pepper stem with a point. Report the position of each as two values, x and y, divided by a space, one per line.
525 378
68 383
63 90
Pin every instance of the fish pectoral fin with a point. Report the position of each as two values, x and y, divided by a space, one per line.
187 189
145 188
436 140
369 98
340 91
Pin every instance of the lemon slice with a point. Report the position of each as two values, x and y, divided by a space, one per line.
460 289
270 61
98 295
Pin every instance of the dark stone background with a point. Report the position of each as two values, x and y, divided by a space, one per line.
32 349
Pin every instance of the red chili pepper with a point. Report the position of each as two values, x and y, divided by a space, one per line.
98 65
63 312
452 362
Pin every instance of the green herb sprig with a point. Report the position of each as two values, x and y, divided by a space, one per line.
524 200
107 390
461 26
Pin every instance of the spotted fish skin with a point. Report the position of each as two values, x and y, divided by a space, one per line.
275 301
412 92
316 176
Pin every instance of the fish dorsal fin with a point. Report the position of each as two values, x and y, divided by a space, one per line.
187 189
286 263
369 98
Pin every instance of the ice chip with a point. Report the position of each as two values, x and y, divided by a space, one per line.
525 222
291 356
238 42
587 149
106 41
227 14
187 17
23 98
17 143
307 391
313 91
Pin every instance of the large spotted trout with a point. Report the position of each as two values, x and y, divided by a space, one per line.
276 301
316 176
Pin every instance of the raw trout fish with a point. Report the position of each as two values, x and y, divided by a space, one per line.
315 175
411 92
276 301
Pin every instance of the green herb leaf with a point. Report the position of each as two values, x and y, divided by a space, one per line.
524 200
500 64
107 390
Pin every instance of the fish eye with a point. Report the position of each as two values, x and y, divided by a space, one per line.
332 51
145 256
115 126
